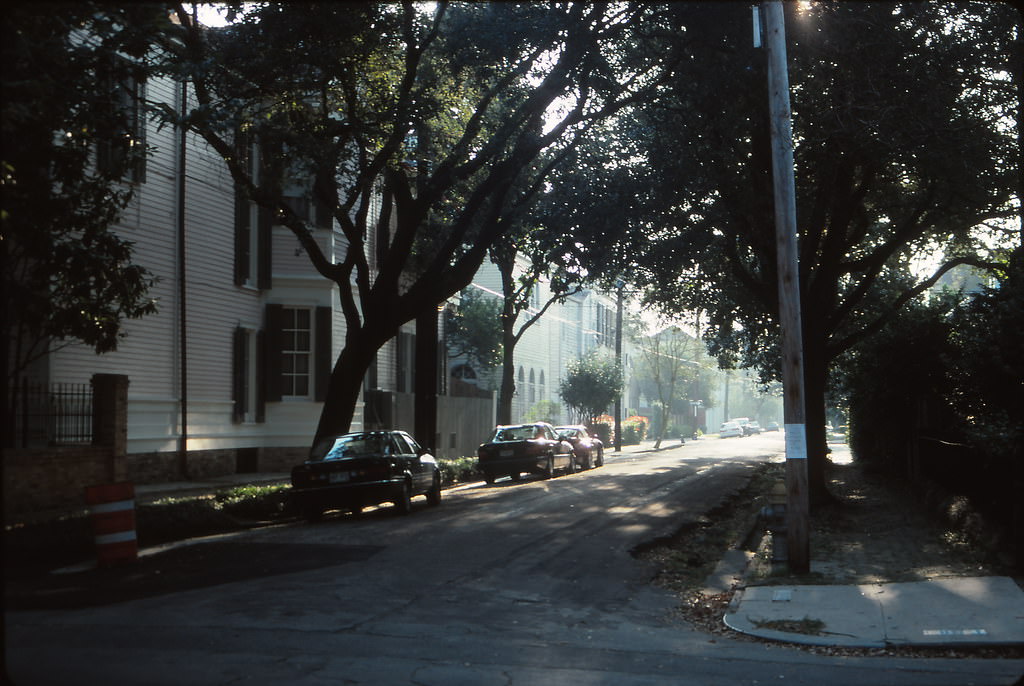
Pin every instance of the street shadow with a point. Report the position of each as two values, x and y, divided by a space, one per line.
187 567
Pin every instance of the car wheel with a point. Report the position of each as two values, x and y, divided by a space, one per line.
403 504
313 514
571 469
589 464
549 469
600 458
356 511
514 476
489 478
434 494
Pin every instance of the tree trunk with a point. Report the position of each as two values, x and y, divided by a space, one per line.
815 381
508 373
343 391
425 404
662 426
505 265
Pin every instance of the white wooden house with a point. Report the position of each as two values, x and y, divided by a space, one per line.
230 372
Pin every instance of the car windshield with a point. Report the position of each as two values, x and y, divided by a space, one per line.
355 445
570 432
516 433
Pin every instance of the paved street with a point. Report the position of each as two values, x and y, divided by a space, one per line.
529 583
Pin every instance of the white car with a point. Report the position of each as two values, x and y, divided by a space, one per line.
730 430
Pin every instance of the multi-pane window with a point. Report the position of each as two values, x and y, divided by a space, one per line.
248 402
296 352
252 222
121 149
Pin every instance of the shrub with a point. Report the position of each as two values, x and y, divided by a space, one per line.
603 427
634 429
459 469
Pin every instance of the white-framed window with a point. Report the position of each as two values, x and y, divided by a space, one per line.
246 391
296 352
121 149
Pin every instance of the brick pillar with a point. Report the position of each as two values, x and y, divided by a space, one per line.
110 419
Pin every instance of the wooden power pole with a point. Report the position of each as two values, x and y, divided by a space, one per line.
797 537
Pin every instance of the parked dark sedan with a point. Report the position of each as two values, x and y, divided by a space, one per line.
525 448
589 449
363 469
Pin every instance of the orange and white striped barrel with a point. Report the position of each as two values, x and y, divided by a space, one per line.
112 507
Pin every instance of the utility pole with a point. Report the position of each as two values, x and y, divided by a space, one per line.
797 537
618 361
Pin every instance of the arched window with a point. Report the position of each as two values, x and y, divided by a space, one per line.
532 391
465 373
542 392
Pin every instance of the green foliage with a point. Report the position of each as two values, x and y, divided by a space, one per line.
634 429
459 470
445 116
987 368
909 357
591 384
66 275
886 171
474 330
940 395
604 428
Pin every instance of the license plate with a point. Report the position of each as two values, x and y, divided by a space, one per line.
507 453
338 477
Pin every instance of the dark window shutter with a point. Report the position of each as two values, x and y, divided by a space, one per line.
274 317
322 353
238 376
261 377
242 227
265 246
241 237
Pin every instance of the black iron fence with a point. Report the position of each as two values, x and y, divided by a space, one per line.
52 414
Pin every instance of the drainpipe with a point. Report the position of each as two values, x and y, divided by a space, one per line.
182 291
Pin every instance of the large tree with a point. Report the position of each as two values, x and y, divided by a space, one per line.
903 147
441 110
667 365
71 152
591 384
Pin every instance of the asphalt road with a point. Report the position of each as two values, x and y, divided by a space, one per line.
524 584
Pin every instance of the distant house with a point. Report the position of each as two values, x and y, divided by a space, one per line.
566 332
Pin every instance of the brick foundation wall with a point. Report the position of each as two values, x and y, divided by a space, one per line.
52 478
47 480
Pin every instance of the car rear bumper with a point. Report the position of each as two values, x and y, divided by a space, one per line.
359 494
506 466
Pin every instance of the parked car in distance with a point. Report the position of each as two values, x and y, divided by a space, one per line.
751 428
366 468
518 449
589 449
730 430
771 426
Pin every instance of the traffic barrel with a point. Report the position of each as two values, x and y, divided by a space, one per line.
112 507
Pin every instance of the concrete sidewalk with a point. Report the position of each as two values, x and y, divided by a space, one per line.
965 611
887 580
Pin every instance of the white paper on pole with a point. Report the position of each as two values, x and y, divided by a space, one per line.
796 442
